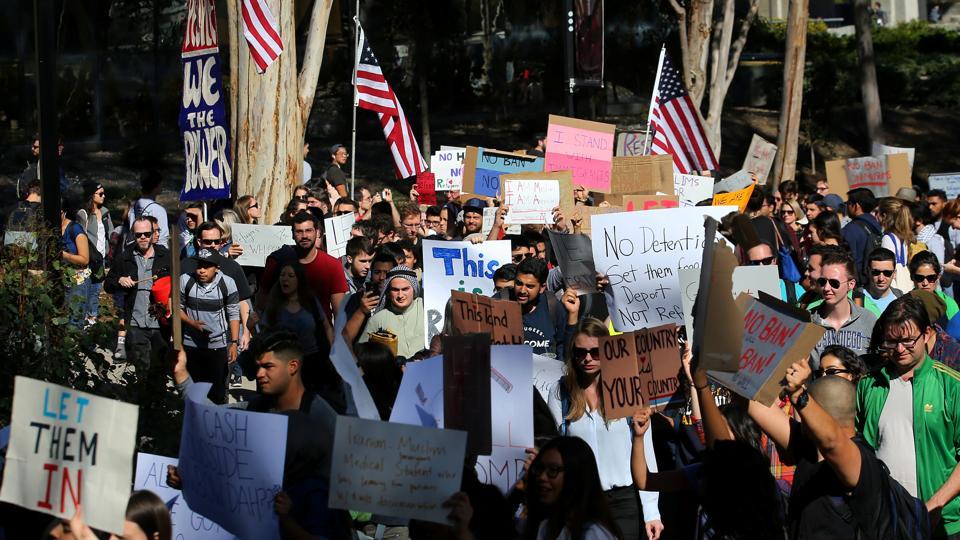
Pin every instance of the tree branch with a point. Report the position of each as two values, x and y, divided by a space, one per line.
737 48
313 56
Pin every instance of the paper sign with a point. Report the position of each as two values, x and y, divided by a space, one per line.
883 150
691 189
259 241
734 182
630 143
546 372
642 174
337 232
460 266
69 448
530 201
882 175
419 400
575 256
427 188
489 217
738 198
395 469
466 390
658 363
619 377
642 254
499 319
583 147
948 182
447 168
565 193
760 158
151 475
231 462
773 339
650 202
482 168
746 279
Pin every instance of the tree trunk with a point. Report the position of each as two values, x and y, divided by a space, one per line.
785 166
868 73
272 109
696 23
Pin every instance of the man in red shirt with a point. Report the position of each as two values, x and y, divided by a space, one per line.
324 273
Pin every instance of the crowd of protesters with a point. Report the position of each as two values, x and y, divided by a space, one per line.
862 444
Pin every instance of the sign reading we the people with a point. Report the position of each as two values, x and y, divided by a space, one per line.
69 448
203 118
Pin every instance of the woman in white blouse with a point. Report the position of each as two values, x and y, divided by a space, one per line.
577 408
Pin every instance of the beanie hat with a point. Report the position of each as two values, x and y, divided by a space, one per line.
399 272
935 306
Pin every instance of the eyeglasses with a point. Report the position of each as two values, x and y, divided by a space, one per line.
834 283
520 256
766 261
580 353
886 273
147 234
831 371
210 241
930 278
908 344
552 471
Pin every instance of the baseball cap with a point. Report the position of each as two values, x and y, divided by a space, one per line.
833 201
208 256
334 148
474 205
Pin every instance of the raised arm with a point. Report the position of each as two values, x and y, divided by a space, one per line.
715 426
642 476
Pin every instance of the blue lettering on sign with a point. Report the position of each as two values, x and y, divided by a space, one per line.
471 268
487 183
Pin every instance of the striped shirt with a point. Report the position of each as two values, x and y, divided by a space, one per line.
205 303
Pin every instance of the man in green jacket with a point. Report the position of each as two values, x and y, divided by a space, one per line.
909 410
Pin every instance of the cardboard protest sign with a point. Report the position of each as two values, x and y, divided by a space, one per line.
337 232
630 143
775 336
734 182
447 168
460 266
738 198
231 462
641 174
619 376
746 279
883 175
642 253
419 400
499 319
259 241
151 475
650 202
466 389
691 189
533 196
717 344
877 149
658 363
948 182
760 158
575 256
587 212
203 118
395 469
69 448
427 188
583 147
483 167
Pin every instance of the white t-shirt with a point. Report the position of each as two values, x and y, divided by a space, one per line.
895 445
594 532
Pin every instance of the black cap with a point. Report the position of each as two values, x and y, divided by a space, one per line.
334 148
474 205
209 256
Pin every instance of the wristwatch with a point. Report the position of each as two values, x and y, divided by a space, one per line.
802 400
234 341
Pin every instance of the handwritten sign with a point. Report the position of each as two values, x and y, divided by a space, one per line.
575 256
447 168
419 400
691 189
395 469
499 319
760 158
735 182
746 279
619 376
232 462
650 202
482 168
642 174
259 241
459 266
203 118
583 147
642 254
69 448
630 143
151 475
337 232
738 198
546 372
530 201
658 363
883 175
427 188
948 182
878 149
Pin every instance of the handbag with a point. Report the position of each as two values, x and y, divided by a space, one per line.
788 265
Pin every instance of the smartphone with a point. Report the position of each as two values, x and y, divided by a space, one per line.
371 288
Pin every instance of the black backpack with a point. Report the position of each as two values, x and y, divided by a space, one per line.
874 241
908 515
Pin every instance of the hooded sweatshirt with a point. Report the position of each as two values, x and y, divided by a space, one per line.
854 334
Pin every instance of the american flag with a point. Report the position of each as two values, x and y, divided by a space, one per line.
375 94
677 126
262 33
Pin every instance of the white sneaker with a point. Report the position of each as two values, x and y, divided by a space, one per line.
121 351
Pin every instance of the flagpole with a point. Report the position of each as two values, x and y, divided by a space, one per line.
353 139
653 100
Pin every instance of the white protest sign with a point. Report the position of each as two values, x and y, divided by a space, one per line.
337 234
259 241
151 475
447 167
69 448
461 266
692 189
231 462
878 149
642 254
530 201
546 372
395 469
346 366
511 415
760 158
419 400
735 182
489 216
948 182
746 279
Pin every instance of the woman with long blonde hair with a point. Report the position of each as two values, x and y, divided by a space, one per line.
898 231
248 210
577 406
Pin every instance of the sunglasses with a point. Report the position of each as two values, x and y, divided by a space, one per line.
147 234
834 283
886 273
787 212
100 193
254 205
831 371
343 212
580 353
766 261
930 278
210 242
520 256
552 471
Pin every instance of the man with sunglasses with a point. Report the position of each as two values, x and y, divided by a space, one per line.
907 411
762 255
879 291
847 323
